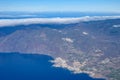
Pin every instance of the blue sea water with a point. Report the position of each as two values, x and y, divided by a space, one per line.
18 15
15 66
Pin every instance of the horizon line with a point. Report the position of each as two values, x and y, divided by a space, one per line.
63 11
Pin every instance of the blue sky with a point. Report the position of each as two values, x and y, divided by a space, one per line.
61 5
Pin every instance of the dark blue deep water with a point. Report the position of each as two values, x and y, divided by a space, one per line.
14 66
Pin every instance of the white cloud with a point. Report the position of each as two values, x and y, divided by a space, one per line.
116 26
12 22
26 21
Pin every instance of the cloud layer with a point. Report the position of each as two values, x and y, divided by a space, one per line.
27 21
